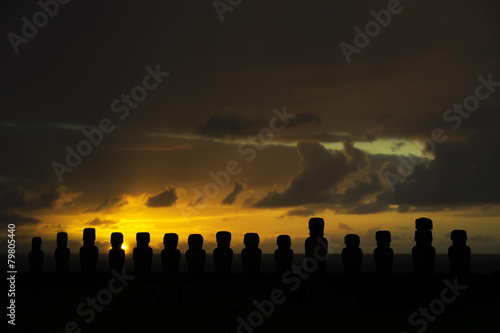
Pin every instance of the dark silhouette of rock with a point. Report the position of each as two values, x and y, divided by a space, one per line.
143 254
316 245
88 252
251 255
116 254
384 255
195 255
459 253
62 253
36 255
283 256
170 256
223 254
423 254
352 255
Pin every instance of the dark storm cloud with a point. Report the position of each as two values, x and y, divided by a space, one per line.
43 197
321 170
231 197
101 223
18 220
164 199
116 201
233 125
301 212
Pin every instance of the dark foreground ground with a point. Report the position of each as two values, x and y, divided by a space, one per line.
332 303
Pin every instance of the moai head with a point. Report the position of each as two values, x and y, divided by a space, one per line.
170 241
351 241
316 227
116 240
142 239
62 240
88 236
251 240
383 238
423 223
195 242
459 237
284 242
223 239
36 243
423 237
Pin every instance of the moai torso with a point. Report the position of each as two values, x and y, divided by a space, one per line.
459 254
223 254
316 246
36 255
89 253
62 253
352 255
195 255
251 255
170 256
116 254
384 255
143 254
283 256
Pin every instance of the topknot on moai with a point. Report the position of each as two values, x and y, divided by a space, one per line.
251 255
36 255
142 254
195 255
384 255
459 254
423 254
62 252
223 254
89 253
283 256
316 245
352 255
116 254
170 255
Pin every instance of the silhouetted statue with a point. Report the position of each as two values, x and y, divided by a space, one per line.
170 256
423 254
384 255
195 255
62 253
283 256
223 255
317 245
116 254
251 255
459 253
143 254
36 255
88 252
352 255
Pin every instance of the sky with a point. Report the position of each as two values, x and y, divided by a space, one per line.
199 116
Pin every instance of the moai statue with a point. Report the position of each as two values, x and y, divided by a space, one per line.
352 255
195 255
459 253
384 255
170 256
423 254
283 256
116 254
223 255
88 252
143 254
251 255
316 244
36 255
62 253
